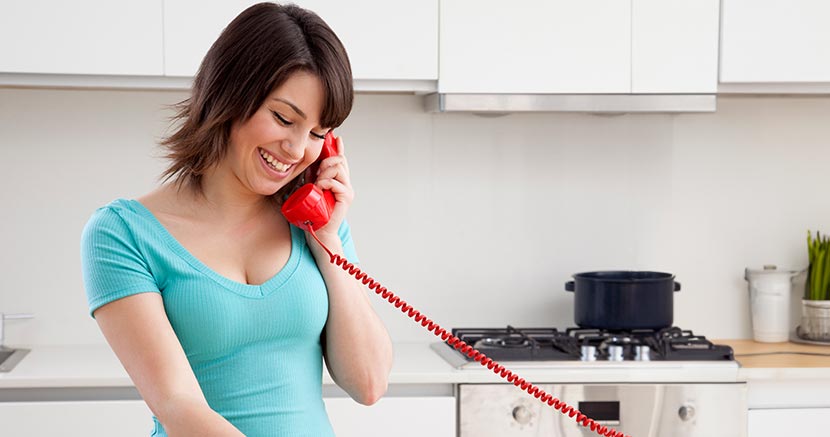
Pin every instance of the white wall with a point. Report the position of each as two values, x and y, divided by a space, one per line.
476 221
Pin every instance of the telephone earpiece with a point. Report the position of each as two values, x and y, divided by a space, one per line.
309 206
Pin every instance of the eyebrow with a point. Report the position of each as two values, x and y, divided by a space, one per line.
293 106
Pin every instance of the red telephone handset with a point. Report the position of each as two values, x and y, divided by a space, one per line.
310 206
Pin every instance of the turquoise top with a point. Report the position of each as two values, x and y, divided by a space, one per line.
255 349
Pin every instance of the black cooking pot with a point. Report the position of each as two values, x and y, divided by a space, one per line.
618 300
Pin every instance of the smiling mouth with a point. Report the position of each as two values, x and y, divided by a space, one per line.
273 162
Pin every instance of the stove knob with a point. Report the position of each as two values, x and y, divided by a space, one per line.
615 352
522 415
642 353
588 353
686 413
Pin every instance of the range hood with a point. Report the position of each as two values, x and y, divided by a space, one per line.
599 103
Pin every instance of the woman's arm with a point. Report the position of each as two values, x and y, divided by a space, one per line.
358 349
139 332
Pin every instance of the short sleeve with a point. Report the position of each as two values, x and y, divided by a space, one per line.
112 265
345 234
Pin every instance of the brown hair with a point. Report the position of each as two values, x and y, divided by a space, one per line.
254 55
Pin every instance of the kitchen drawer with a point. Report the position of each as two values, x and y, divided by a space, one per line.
787 422
75 418
393 416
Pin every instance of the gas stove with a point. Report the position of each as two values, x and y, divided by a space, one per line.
666 382
669 351
551 344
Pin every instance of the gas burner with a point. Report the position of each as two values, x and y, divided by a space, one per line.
507 342
550 344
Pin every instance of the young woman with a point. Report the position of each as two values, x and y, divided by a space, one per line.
222 312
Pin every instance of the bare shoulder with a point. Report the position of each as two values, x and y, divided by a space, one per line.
163 200
171 207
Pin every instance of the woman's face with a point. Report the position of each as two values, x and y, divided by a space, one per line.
282 138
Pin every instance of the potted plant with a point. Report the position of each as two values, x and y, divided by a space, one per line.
815 309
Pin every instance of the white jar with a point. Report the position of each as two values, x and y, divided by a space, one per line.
769 302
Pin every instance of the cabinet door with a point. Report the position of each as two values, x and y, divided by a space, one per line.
393 416
787 422
385 40
674 46
82 37
87 418
775 41
535 46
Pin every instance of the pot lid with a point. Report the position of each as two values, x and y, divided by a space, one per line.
769 269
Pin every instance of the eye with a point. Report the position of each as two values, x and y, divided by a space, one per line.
318 136
281 119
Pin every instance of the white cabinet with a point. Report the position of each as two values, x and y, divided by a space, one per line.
674 46
76 418
393 416
535 46
775 41
787 422
399 416
579 47
100 37
385 40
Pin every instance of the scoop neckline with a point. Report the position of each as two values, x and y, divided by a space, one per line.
249 290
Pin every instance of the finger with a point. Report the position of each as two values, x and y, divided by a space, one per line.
337 172
337 162
342 192
340 148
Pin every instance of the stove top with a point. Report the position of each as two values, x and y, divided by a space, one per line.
588 345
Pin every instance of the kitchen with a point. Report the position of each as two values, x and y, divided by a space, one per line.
477 219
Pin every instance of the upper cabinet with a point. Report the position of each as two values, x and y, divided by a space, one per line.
674 46
775 41
608 47
385 40
579 47
90 37
535 46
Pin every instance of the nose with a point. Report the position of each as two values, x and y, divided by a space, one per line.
293 148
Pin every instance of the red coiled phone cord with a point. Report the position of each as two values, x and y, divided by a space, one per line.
465 348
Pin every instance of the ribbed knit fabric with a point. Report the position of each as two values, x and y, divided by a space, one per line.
255 349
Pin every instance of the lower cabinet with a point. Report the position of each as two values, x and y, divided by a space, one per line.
787 422
393 416
75 418
398 416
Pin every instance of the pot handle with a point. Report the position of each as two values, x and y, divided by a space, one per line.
569 286
676 286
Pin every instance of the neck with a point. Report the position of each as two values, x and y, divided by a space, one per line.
229 201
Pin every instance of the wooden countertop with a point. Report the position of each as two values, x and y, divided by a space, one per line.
752 354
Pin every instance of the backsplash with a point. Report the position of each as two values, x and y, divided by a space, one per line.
476 221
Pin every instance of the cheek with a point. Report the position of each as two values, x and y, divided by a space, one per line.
312 153
258 130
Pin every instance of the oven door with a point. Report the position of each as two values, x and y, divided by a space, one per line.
642 410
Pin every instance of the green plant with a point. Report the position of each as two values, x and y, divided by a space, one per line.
818 277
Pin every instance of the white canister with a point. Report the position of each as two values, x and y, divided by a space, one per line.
769 302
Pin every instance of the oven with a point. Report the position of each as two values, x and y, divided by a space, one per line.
638 410
643 383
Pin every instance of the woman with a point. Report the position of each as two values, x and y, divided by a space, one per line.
220 311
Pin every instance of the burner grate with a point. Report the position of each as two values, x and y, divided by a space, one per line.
550 344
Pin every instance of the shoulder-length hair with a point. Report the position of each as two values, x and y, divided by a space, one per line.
254 55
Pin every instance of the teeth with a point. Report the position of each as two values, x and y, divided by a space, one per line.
273 162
